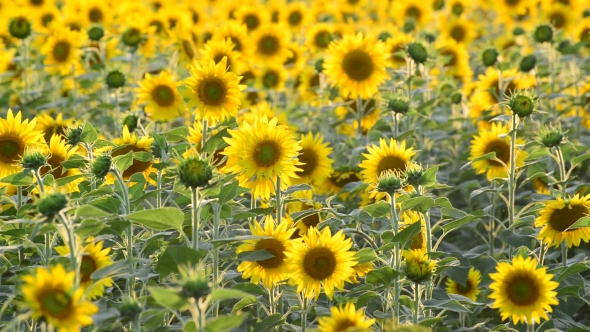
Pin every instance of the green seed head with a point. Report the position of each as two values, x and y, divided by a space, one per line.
73 134
456 98
398 104
409 26
129 309
115 79
51 204
33 160
19 28
414 172
489 57
438 4
95 33
194 283
551 137
101 166
528 63
194 172
543 34
383 36
418 52
132 37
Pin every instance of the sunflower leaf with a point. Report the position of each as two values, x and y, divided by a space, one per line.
159 219
573 269
581 223
365 255
256 255
89 134
174 256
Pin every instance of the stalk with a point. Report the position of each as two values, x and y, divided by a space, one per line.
25 68
395 227
359 113
71 243
416 302
129 231
304 314
216 212
203 138
278 201
196 216
512 175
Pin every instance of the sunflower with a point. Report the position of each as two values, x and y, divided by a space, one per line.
195 137
186 43
469 290
253 16
260 152
50 294
459 29
303 200
272 77
393 156
261 109
394 45
309 85
456 60
198 15
296 16
216 50
560 16
322 261
272 270
371 114
95 12
213 90
316 165
558 215
130 142
582 33
271 43
522 291
420 12
345 318
62 51
541 186
59 152
487 86
46 17
513 7
361 270
297 60
94 258
52 126
237 32
356 64
159 94
15 137
337 180
491 141
318 37
417 265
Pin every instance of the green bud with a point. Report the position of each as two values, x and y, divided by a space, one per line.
194 172
456 98
73 134
457 9
543 34
101 166
19 27
489 57
132 37
383 36
95 33
51 204
518 31
195 284
438 4
413 173
417 52
409 26
522 104
398 104
418 267
429 37
565 48
115 79
33 160
130 309
528 63
319 65
551 137
131 120
586 13
391 182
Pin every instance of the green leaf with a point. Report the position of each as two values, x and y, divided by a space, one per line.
367 297
378 210
382 276
457 223
143 156
569 290
296 216
250 288
90 211
256 255
221 294
75 161
257 212
159 219
486 156
406 234
573 269
581 223
228 192
297 187
19 179
89 227
174 256
69 179
365 255
216 141
242 304
450 305
420 204
177 134
268 323
89 134
443 202
168 298
580 159
429 177
123 162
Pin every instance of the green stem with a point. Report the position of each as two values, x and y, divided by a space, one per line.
47 248
512 175
562 173
40 182
395 124
196 216
71 243
304 314
271 299
542 250
395 227
564 253
359 113
416 302
203 138
159 190
409 79
216 213
491 232
279 201
25 66
129 231
530 327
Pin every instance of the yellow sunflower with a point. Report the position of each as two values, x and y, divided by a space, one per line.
409 218
558 215
337 180
356 64
260 152
417 265
393 156
237 32
59 152
130 142
469 290
459 29
96 12
50 294
316 165
252 15
263 108
582 33
272 77
487 85
272 270
361 270
395 45
371 114
270 44
296 16
490 141
213 90
322 261
304 202
541 186
16 136
560 16
216 50
418 11
318 37
63 50
159 94
52 126
309 85
345 318
94 258
522 291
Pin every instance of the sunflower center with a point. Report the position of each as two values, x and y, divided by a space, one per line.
322 39
55 129
212 91
36 2
557 19
195 17
319 263
414 12
95 15
522 291
252 21
585 35
54 163
452 57
87 268
274 247
502 150
266 153
392 163
163 95
188 48
295 18
312 220
10 149
512 3
343 325
270 79
138 166
61 50
464 289
218 57
310 160
158 24
268 45
340 182
56 303
237 43
417 241
357 65
75 26
562 219
46 19
314 81
458 33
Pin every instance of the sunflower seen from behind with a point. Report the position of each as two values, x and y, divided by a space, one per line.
50 294
469 290
522 291
489 141
356 65
345 318
16 136
260 152
272 270
63 51
162 100
558 215
323 262
213 91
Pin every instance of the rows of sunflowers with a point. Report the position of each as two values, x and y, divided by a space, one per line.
294 165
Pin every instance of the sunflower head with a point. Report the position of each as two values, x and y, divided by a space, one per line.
414 173
469 289
527 63
551 137
51 204
456 98
418 267
101 166
397 103
522 104
95 33
194 172
489 57
73 134
195 284
557 218
543 34
115 79
130 309
417 52
34 159
19 27
391 181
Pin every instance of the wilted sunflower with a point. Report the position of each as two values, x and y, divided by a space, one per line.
94 258
163 102
49 294
260 152
356 64
63 50
490 141
130 142
469 290
344 318
558 215
322 261
315 166
272 270
51 126
522 291
213 90
15 136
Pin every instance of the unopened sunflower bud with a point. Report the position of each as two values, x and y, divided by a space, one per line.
409 26
518 31
543 34
51 204
414 172
391 182
522 104
130 309
527 63
19 27
551 137
101 166
456 98
33 160
438 4
95 33
418 267
131 37
194 172
397 103
73 134
131 120
195 285
115 79
383 36
489 57
417 52
319 65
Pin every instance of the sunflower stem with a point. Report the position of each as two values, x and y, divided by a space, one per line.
71 243
271 299
395 124
409 81
359 113
129 230
204 138
304 314
216 213
47 248
416 302
562 173
395 227
117 112
39 181
25 67
530 327
491 231
564 253
542 251
196 216
278 200
512 175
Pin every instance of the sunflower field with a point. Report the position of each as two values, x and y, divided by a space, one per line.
294 165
